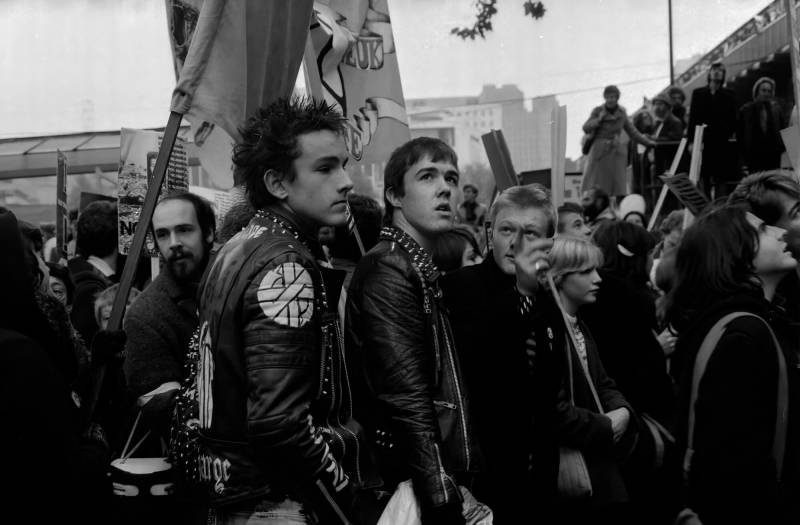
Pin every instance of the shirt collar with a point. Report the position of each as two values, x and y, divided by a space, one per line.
101 265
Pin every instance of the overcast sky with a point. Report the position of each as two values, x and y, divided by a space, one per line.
86 65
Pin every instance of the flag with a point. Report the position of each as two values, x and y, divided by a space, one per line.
232 57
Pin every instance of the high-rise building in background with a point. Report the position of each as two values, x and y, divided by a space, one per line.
460 121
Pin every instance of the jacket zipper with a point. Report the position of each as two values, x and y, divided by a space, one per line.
449 350
442 474
349 413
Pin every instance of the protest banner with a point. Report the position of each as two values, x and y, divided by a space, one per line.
62 215
558 154
231 57
351 61
138 152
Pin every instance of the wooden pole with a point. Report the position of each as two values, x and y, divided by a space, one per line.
137 245
694 167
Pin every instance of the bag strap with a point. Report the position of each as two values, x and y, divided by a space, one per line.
704 354
574 341
125 453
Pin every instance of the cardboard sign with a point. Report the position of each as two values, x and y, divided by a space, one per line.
558 154
138 152
62 215
500 160
686 191
352 62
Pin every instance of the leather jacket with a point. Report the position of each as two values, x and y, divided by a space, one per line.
275 404
406 371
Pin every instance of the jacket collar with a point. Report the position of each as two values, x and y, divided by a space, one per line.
291 225
419 255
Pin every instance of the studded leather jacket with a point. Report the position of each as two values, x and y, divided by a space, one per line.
406 372
276 410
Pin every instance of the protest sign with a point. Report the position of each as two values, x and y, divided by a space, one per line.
138 152
62 216
676 160
499 160
558 154
686 191
352 56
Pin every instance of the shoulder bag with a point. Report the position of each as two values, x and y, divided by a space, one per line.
687 516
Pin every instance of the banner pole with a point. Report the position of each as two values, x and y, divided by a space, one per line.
131 263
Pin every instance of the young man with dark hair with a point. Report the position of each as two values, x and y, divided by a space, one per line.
571 220
278 440
95 267
161 321
470 211
774 197
410 388
510 339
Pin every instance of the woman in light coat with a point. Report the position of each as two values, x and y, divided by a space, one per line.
608 154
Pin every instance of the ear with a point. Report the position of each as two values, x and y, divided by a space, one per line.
393 199
275 183
210 237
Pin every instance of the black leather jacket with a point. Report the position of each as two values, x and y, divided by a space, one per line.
410 390
275 404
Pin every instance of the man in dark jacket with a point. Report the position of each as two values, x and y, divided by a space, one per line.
410 386
668 128
510 346
276 429
161 321
715 106
94 269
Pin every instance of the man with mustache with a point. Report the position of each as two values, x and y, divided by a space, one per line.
407 381
160 323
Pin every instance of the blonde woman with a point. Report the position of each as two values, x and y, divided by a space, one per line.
593 415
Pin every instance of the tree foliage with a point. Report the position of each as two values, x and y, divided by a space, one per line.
486 10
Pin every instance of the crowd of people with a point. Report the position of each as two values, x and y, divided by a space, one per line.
511 364
738 139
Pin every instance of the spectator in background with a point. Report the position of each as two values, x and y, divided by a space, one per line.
40 418
571 221
597 207
237 217
668 128
632 209
678 98
160 324
624 325
715 106
470 211
758 131
608 154
344 250
456 249
61 286
730 261
94 269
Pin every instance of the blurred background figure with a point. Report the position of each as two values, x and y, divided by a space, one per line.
571 220
61 284
608 155
456 249
632 209
715 106
758 129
